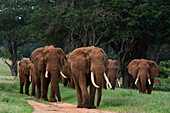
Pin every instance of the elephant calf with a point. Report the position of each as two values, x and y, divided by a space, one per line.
24 75
143 71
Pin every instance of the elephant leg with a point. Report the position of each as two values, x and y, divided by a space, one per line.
92 96
79 96
33 88
139 86
149 87
38 89
44 88
21 86
83 87
27 84
52 95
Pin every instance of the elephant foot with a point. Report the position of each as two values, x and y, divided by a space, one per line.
44 98
88 106
52 100
79 106
92 107
59 99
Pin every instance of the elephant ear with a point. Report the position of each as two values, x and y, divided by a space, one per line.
24 65
106 63
62 57
154 69
37 58
133 67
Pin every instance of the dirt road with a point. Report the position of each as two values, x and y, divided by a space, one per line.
61 108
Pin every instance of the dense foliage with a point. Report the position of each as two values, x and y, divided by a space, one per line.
164 69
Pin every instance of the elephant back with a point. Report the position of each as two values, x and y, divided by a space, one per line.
36 58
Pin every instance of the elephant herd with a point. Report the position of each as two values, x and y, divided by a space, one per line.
85 66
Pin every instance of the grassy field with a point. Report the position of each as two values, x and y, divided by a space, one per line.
121 100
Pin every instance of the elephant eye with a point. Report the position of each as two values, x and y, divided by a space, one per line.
89 59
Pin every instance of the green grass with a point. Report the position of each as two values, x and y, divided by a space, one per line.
121 100
4 69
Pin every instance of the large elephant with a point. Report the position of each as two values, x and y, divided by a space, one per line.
112 73
24 75
66 70
88 63
143 71
48 62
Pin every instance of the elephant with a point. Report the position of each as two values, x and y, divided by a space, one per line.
24 75
66 70
89 67
143 72
112 74
48 62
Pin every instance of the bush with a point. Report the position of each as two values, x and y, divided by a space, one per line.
164 69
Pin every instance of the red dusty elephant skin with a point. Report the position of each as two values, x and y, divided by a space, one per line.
48 62
66 70
143 71
89 67
24 75
112 73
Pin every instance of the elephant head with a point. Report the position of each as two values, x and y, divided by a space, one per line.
67 74
143 72
89 66
48 61
112 73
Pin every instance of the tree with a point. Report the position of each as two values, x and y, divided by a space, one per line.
14 30
135 26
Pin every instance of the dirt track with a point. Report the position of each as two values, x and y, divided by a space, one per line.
61 108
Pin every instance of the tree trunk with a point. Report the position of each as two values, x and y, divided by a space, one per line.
14 67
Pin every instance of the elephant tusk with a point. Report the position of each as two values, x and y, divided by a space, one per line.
136 81
118 82
107 80
30 78
46 74
92 80
62 74
107 85
149 81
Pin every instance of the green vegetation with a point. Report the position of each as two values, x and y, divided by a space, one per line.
120 100
164 69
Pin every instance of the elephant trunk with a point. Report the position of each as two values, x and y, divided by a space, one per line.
143 83
55 84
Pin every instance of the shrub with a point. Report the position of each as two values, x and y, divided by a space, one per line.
164 69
